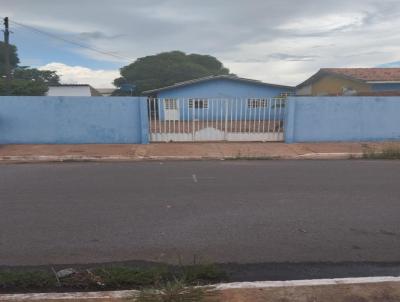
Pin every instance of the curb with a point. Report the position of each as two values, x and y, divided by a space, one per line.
64 158
113 158
223 286
312 282
118 158
122 294
343 155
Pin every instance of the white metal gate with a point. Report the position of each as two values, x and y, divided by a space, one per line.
201 119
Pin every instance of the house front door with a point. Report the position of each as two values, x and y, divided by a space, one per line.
171 110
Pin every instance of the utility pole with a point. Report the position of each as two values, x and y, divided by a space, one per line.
7 56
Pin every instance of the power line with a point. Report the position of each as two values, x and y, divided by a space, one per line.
72 42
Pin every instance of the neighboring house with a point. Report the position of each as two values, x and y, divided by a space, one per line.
352 81
208 97
72 90
105 91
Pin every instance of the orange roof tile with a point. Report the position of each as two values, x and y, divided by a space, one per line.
367 74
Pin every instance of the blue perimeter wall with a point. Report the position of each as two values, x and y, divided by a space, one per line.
332 119
73 120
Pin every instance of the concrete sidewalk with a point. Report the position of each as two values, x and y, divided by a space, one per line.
330 290
187 151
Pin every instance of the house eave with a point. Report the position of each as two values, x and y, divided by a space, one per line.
322 73
210 78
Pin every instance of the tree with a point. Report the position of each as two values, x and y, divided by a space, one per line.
24 87
25 80
14 60
32 74
166 69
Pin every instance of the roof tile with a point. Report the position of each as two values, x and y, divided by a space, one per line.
367 74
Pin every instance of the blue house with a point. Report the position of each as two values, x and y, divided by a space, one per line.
223 97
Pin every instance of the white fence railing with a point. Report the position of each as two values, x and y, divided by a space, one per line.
203 119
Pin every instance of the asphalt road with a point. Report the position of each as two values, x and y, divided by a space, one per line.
220 211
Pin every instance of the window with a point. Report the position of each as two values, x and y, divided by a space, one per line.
257 103
279 105
198 103
170 104
284 95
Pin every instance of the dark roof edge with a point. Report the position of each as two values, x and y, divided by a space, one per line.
209 78
93 91
323 72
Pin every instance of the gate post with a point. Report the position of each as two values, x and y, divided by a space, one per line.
193 121
144 120
289 120
226 120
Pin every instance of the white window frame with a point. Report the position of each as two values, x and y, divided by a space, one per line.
281 104
285 95
204 103
257 103
170 104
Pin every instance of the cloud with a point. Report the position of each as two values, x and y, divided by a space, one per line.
96 35
280 41
83 75
289 57
324 24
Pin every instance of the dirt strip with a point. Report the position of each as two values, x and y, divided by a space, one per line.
187 151
358 292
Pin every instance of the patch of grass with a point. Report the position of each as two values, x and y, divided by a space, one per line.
175 291
203 274
82 280
386 153
108 278
122 277
12 280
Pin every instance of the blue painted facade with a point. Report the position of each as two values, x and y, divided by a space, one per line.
336 119
73 120
231 109
227 97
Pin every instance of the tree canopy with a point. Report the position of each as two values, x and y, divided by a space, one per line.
167 68
49 77
14 60
25 80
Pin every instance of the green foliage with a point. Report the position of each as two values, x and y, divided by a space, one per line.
202 274
24 87
166 69
25 80
14 60
109 277
32 74
26 280
121 277
386 153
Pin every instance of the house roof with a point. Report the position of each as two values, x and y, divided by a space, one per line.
93 91
105 90
368 75
211 78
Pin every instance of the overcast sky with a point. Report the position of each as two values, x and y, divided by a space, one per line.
283 41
